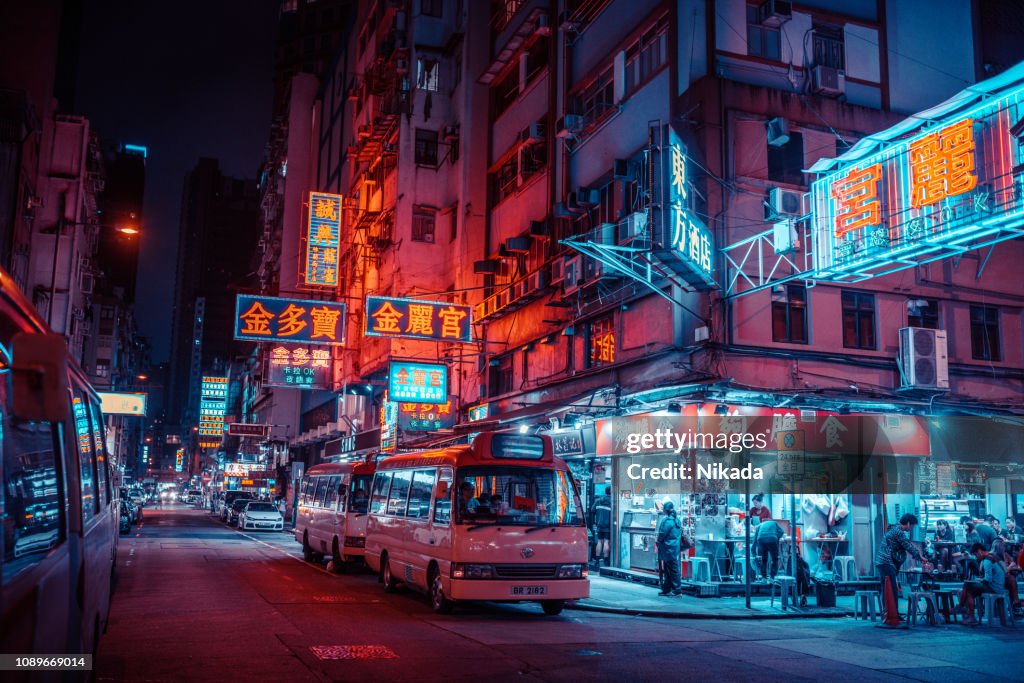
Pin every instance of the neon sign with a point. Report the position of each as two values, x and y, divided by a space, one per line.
418 382
323 239
212 407
425 417
299 367
944 182
413 319
298 321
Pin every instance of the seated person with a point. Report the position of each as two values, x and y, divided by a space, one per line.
468 505
497 506
359 500
992 580
1010 530
944 534
966 564
999 551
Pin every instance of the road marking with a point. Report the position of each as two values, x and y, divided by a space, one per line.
353 652
283 552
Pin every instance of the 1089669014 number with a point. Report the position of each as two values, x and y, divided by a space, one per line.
45 662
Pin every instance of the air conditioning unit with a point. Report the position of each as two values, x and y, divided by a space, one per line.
588 196
364 131
543 25
782 202
569 125
572 204
88 282
370 199
778 132
533 133
450 133
828 81
539 229
501 299
518 245
621 170
572 273
605 234
535 282
784 237
402 65
487 266
634 226
775 13
557 271
924 360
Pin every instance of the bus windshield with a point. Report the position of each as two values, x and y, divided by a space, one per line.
520 496
360 493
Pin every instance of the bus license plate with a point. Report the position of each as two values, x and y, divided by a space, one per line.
529 590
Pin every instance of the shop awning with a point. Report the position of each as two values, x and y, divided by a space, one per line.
977 440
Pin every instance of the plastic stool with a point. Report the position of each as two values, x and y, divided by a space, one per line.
845 568
947 605
699 566
864 603
787 591
991 602
739 566
931 608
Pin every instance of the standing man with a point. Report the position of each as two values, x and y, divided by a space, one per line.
766 541
896 544
669 532
601 514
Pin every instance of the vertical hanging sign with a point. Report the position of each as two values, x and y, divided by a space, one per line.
323 239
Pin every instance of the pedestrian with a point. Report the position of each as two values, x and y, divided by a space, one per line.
601 514
670 531
758 508
896 544
767 536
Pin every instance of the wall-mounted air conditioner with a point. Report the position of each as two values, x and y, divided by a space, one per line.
783 202
533 133
569 125
605 234
572 273
924 359
775 13
829 81
784 237
634 226
588 196
778 132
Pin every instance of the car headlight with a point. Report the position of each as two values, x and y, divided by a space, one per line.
571 571
472 571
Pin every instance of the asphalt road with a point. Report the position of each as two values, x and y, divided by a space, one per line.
197 600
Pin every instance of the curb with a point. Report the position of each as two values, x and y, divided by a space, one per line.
583 607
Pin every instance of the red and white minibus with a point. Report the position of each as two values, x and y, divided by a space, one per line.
331 517
496 520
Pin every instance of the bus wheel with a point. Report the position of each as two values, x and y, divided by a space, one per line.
390 585
307 552
337 563
552 607
438 601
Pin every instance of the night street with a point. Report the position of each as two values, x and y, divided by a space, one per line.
200 601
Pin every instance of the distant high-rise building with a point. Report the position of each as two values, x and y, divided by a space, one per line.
118 255
219 229
308 35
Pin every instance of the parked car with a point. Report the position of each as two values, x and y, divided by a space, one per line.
261 515
229 498
125 523
137 497
192 496
235 509
134 508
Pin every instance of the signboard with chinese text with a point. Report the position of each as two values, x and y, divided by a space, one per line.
791 452
212 407
944 186
120 403
418 382
681 239
82 425
179 460
296 321
323 239
248 429
567 443
412 319
388 425
300 367
478 413
425 417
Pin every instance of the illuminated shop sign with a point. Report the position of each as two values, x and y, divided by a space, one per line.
683 238
298 321
425 417
212 407
946 185
179 460
81 425
117 403
388 425
418 382
299 367
248 429
478 413
413 319
323 239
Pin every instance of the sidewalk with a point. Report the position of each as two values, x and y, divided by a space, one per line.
626 597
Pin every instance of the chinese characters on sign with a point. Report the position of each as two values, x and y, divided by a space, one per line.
388 425
418 382
81 425
299 321
946 189
791 450
425 417
248 429
302 367
436 320
212 407
688 237
323 238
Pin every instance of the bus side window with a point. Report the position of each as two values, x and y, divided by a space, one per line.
321 491
399 492
330 492
86 455
443 506
341 488
379 496
30 505
420 493
102 471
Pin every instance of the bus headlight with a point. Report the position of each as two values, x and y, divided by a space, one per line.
472 571
571 571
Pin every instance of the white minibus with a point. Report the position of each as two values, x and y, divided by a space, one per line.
331 517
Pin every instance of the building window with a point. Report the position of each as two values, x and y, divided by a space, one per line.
536 59
426 147
858 320
789 314
600 342
423 223
596 99
499 376
923 313
506 91
985 333
762 41
786 163
647 55
828 46
505 180
428 74
432 8
534 159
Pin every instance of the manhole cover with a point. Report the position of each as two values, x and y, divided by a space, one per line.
353 652
333 598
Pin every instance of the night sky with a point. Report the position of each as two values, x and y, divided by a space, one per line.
186 79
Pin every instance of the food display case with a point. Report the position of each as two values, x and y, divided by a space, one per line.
934 509
642 531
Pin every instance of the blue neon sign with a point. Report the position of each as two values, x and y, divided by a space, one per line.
418 382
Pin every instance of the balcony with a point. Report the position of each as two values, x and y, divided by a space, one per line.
512 24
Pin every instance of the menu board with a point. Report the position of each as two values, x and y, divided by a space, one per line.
927 478
944 479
